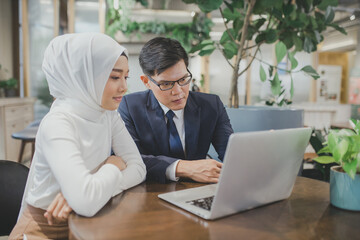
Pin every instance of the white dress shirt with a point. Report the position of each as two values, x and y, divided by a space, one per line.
179 123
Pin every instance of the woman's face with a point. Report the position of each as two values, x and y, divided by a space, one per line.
116 85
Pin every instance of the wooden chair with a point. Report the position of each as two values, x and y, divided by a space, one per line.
27 135
13 178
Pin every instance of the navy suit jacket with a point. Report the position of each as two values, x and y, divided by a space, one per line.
205 120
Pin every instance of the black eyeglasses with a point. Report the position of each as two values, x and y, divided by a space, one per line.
167 85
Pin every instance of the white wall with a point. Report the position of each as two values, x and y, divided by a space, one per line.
6 43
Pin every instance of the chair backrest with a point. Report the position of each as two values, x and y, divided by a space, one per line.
260 118
13 178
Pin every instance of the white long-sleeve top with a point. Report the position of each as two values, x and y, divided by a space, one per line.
72 143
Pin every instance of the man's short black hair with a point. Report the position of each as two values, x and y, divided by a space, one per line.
159 54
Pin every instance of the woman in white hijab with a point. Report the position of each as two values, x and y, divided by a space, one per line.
87 75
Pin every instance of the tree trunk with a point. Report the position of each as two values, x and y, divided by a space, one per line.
234 95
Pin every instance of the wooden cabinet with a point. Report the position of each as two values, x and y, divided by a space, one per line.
15 115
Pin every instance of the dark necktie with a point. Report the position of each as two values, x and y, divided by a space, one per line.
176 149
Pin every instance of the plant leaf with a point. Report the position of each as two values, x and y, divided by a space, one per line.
260 37
226 37
291 87
208 6
308 45
276 85
324 159
238 24
230 14
207 50
259 22
293 61
262 5
357 126
230 49
310 71
201 45
271 36
350 168
341 149
332 141
338 28
325 3
280 51
271 70
325 149
298 43
229 6
262 74
329 14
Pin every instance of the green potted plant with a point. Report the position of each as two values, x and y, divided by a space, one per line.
344 147
294 26
291 26
8 86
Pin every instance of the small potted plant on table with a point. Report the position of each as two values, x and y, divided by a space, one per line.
344 147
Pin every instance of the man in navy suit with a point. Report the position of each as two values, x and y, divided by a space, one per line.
173 127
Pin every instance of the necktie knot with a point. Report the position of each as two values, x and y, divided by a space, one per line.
170 114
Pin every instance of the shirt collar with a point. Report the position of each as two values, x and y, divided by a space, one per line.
178 113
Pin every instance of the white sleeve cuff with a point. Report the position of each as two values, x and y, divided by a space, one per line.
116 171
171 171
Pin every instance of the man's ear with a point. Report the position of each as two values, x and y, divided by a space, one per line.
145 81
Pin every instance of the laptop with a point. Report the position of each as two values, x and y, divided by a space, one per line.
259 168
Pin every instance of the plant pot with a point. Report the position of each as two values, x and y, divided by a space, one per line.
2 93
10 92
344 191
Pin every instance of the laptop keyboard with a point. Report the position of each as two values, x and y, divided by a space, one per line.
204 203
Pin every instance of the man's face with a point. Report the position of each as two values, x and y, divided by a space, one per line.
175 98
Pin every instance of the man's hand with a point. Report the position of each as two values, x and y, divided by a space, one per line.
117 161
58 210
205 170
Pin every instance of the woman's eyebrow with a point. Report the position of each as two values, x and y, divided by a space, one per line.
118 70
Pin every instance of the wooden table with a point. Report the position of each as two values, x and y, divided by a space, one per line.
139 214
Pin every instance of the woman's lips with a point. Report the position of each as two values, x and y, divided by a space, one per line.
117 99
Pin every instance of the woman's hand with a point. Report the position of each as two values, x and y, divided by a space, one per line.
59 210
117 161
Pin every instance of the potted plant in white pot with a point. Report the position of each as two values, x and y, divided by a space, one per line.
344 146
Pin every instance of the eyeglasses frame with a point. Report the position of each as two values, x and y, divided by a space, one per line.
172 82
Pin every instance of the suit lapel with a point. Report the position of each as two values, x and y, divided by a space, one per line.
157 122
192 127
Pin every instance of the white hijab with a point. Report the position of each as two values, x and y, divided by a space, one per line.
77 66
